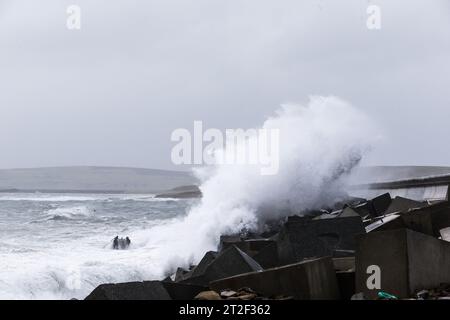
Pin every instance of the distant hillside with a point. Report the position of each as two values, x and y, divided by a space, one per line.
181 192
101 179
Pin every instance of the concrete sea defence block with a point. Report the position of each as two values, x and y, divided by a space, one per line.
147 290
405 261
308 280
318 238
228 263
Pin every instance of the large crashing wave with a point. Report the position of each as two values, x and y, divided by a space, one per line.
319 144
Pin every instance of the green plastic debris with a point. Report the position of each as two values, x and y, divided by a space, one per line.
385 295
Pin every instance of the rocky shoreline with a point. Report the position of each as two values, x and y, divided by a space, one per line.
383 248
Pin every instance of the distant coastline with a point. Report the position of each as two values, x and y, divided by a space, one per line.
68 191
182 192
113 180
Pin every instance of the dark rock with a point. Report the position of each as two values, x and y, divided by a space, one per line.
228 240
208 295
318 238
228 293
312 279
147 290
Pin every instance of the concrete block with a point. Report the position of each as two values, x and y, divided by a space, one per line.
400 204
364 210
263 251
344 264
428 220
417 222
345 275
209 257
439 215
307 280
380 204
408 261
318 238
181 274
267 257
147 290
228 263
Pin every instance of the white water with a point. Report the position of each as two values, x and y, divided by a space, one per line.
319 142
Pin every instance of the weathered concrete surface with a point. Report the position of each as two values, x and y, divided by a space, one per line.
147 290
302 239
365 210
380 204
428 220
400 204
416 222
344 263
230 262
409 261
439 215
181 274
227 240
370 209
209 257
345 275
308 280
263 251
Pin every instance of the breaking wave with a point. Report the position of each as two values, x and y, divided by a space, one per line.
320 143
68 213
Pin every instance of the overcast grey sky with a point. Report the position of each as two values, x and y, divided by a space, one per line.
112 92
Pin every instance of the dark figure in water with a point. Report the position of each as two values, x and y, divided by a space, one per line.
127 241
116 242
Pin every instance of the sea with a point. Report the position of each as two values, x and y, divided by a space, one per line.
59 246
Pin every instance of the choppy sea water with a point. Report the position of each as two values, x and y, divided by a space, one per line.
58 246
